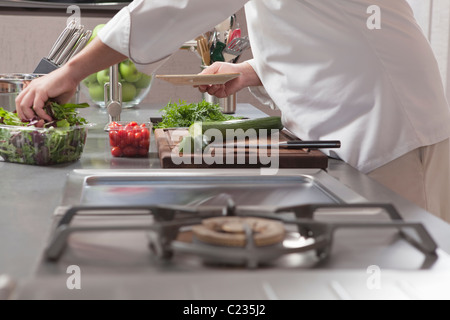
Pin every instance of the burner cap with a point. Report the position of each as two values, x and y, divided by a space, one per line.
230 231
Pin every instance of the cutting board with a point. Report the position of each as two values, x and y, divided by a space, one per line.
167 141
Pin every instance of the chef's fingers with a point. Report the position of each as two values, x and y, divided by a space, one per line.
24 104
38 106
213 89
212 69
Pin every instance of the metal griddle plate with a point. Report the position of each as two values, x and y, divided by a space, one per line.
120 252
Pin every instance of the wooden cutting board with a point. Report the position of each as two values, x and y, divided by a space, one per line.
167 141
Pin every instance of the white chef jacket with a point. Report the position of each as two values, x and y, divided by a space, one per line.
379 91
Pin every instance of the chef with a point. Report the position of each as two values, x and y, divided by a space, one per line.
332 70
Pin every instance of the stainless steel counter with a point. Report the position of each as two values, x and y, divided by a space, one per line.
29 196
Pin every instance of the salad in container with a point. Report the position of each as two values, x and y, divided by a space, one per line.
38 142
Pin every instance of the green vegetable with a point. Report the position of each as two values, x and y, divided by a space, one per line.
66 115
183 114
59 141
239 127
203 133
10 118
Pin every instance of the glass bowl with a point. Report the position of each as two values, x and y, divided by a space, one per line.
135 85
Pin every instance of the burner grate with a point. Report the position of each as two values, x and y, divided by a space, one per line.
171 221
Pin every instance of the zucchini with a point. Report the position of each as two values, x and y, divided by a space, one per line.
240 127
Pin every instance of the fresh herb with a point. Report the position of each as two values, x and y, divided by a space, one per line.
182 114
34 142
10 118
66 115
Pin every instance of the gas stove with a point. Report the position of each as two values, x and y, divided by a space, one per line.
232 235
229 234
200 221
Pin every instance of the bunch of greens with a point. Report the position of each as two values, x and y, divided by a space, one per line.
58 141
183 115
65 115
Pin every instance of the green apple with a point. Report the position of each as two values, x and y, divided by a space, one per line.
103 76
96 92
128 91
144 81
90 79
128 71
95 31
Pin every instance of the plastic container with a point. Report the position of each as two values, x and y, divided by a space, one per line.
42 146
135 85
129 138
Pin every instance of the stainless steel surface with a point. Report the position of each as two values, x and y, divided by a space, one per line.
237 46
68 46
118 265
62 38
227 105
113 94
11 84
258 285
80 44
72 40
114 189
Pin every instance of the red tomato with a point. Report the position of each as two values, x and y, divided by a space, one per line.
132 123
142 151
114 124
123 143
122 134
145 134
130 151
116 152
130 137
138 136
113 137
144 144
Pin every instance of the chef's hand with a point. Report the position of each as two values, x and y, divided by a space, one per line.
247 78
57 85
61 84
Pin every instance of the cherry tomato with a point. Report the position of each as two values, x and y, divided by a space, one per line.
122 134
138 135
123 144
130 138
113 137
145 134
144 144
130 151
142 151
116 152
114 124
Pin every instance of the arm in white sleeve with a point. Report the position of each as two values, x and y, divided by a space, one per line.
148 31
259 92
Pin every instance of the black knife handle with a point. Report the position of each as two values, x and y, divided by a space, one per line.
311 144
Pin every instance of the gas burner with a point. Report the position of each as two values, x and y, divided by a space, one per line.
239 235
237 231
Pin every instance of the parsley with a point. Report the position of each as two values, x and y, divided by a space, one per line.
183 114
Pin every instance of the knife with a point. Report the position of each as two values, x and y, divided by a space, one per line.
68 47
57 46
292 144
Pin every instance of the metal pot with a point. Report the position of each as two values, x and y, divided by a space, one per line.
10 86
